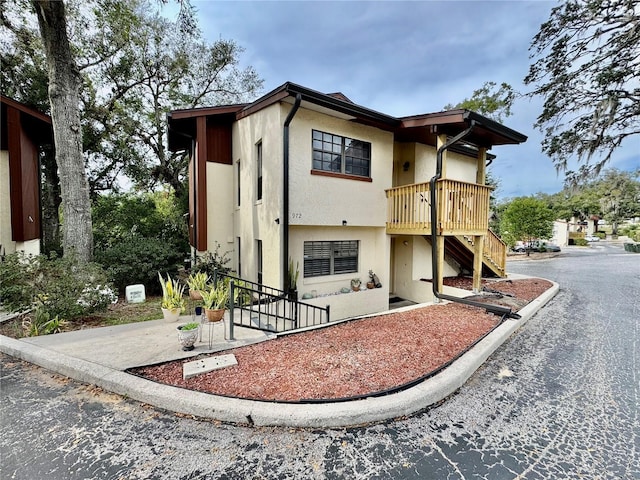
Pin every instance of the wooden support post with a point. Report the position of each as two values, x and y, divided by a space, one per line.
478 247
481 172
440 141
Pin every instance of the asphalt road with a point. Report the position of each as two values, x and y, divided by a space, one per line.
560 399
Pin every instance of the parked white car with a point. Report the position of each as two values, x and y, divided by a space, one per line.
592 238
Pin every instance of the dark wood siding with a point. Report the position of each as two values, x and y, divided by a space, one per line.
219 142
23 182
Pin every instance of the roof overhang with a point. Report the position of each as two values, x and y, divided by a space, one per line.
418 128
487 133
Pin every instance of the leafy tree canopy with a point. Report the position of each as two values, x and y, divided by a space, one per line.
586 60
136 66
489 100
613 196
526 218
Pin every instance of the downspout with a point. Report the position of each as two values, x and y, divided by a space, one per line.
497 309
285 192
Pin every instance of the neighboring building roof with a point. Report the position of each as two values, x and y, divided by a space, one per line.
418 128
36 123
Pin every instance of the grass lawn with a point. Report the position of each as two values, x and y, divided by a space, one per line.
118 314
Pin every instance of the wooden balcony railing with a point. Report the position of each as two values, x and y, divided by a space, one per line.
463 208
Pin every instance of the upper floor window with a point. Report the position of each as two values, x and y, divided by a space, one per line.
330 258
238 191
259 170
334 153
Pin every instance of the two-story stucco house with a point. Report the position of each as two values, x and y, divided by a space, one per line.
24 131
341 190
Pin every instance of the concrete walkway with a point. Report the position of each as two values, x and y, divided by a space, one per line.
99 356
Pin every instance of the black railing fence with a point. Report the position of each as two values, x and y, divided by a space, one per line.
258 306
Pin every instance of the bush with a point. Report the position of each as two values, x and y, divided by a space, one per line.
57 287
138 260
137 236
580 242
632 231
213 263
119 217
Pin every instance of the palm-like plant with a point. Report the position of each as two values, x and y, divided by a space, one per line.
172 292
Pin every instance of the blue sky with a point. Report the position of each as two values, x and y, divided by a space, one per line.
403 58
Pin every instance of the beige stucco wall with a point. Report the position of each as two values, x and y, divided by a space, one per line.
372 255
256 219
412 262
30 247
456 166
220 197
404 163
320 200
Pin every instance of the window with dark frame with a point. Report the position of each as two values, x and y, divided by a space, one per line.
238 192
239 257
330 257
334 153
259 260
259 170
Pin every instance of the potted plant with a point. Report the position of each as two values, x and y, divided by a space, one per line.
188 334
215 300
293 280
172 301
355 284
197 282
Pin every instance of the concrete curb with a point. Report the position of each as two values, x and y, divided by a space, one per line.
235 410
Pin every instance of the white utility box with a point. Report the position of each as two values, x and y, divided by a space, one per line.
135 293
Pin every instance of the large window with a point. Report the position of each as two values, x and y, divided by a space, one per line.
330 258
334 153
259 170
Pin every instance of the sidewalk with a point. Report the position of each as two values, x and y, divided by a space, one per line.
99 356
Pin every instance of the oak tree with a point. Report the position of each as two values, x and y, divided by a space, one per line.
586 60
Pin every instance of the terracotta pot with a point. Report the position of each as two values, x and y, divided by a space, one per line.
171 314
354 288
370 285
195 295
214 315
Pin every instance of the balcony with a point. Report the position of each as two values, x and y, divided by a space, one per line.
463 208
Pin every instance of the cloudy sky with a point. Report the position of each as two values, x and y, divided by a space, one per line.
403 58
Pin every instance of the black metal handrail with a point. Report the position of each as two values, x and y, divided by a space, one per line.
269 309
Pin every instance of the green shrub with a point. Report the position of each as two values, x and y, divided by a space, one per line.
137 236
41 323
58 287
601 235
138 260
632 231
212 263
17 276
580 242
119 217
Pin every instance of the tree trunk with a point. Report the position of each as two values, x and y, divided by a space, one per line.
51 201
64 95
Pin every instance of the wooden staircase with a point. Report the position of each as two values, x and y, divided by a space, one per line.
494 255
